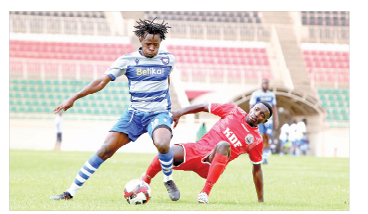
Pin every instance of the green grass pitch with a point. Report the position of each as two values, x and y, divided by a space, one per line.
290 183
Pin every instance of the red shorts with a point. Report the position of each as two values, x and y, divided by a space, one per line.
194 155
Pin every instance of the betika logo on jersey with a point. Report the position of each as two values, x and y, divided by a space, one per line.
146 71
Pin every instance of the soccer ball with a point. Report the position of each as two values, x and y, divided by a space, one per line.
137 192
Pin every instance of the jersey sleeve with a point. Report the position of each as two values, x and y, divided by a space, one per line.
222 110
117 68
255 153
172 62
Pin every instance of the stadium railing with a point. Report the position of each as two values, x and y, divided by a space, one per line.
179 29
64 25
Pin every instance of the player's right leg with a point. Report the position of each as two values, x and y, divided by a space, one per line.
218 158
113 142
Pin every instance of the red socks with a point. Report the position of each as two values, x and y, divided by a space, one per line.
152 170
217 167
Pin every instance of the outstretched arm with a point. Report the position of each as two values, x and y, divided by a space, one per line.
258 181
189 110
276 116
91 88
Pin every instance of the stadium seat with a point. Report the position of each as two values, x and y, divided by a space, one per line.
333 104
329 117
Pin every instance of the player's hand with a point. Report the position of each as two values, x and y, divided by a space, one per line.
64 105
277 124
176 116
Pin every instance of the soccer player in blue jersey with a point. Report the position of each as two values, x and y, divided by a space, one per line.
148 71
264 95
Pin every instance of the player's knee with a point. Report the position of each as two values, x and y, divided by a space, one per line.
162 146
161 138
223 148
104 153
178 152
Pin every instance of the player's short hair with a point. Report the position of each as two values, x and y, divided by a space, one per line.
149 27
268 106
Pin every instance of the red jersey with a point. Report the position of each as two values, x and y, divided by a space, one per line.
233 128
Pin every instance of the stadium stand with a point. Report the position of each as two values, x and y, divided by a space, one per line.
327 65
87 14
325 18
45 61
336 102
207 16
36 99
54 54
216 63
68 51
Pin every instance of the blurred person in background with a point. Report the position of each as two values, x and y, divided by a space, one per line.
284 136
273 146
302 134
293 137
201 131
59 129
264 95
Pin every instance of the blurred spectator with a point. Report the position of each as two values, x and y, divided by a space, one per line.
267 128
303 140
273 146
284 136
59 129
293 137
202 131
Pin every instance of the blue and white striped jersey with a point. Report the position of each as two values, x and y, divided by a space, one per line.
260 96
148 79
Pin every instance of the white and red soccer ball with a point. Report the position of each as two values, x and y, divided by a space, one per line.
137 192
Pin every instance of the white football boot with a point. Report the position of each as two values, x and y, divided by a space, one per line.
202 198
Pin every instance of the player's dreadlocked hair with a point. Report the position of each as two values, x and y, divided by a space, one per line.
148 27
268 106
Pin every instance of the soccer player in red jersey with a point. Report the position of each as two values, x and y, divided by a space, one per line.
234 134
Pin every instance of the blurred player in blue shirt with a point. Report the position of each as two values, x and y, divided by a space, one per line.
264 95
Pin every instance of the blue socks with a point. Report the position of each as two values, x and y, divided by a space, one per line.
166 161
85 172
94 162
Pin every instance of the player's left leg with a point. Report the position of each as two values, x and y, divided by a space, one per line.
267 136
266 148
155 166
218 158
